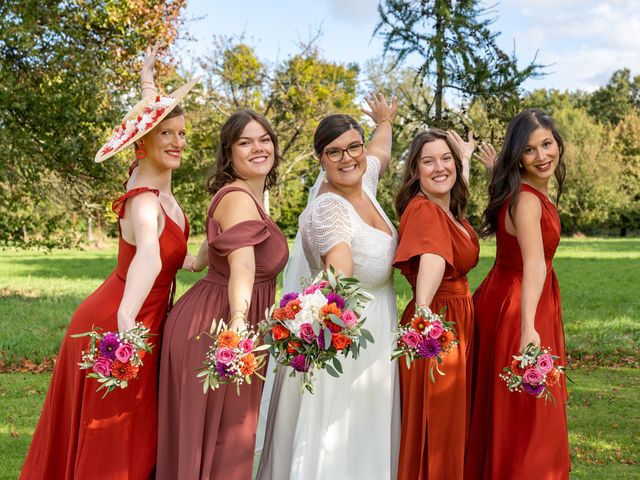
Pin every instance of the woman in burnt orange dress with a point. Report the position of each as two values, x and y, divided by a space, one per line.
81 435
437 248
515 435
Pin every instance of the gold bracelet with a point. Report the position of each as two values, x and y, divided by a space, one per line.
238 313
385 120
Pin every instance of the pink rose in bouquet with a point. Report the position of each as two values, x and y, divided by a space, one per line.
544 363
532 376
246 345
349 318
411 339
124 352
102 366
306 333
225 355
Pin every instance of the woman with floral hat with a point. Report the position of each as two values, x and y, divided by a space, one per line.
80 434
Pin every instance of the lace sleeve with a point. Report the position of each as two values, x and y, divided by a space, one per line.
330 223
372 175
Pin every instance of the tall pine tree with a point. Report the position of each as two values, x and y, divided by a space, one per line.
458 53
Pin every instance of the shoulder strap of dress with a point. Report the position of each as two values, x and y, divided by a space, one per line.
120 202
223 191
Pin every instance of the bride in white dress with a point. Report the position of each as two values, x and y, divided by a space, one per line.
349 428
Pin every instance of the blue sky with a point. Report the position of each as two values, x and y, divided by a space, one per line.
582 41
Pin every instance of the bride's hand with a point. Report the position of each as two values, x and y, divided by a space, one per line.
380 109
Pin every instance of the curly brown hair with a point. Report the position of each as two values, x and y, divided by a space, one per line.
411 178
230 132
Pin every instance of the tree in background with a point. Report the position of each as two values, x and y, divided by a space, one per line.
619 97
66 72
457 52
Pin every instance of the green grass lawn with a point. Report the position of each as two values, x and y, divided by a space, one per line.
601 300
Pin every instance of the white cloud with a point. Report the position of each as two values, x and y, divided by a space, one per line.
354 12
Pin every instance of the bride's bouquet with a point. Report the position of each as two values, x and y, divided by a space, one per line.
533 372
428 335
310 329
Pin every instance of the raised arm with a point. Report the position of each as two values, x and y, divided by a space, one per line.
526 220
147 81
486 155
142 212
383 115
234 208
466 150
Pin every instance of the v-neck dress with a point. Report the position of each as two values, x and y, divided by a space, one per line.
349 426
435 416
515 435
80 434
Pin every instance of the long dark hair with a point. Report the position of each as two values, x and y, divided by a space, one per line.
411 178
332 127
229 134
507 173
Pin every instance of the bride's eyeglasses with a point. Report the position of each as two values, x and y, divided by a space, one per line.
336 154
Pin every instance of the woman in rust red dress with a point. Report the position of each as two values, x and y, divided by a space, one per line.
212 435
81 435
437 248
515 435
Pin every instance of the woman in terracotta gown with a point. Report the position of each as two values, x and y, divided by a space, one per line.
81 435
437 248
212 435
515 435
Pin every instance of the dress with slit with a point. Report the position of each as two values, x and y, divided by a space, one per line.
515 435
80 434
212 435
435 415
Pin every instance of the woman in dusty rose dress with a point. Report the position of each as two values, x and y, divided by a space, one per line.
212 435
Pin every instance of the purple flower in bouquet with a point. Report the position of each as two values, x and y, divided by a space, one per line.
299 363
532 376
225 355
333 297
534 390
320 339
411 339
223 370
286 298
306 333
102 366
108 345
429 348
544 363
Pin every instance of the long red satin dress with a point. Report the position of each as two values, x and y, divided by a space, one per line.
212 435
80 435
435 415
514 435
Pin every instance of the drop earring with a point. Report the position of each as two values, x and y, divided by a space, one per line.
140 152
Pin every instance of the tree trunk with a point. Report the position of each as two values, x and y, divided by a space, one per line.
441 7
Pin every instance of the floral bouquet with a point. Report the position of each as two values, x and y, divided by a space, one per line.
115 357
310 329
232 357
428 335
533 372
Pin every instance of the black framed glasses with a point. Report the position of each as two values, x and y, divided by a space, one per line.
336 154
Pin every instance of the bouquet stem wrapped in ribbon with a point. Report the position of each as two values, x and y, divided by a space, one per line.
428 335
533 372
232 358
310 329
115 357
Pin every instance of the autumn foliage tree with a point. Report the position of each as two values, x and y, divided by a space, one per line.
66 71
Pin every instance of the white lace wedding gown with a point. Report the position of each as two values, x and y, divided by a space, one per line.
349 428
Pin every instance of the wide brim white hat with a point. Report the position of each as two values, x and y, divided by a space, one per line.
141 119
